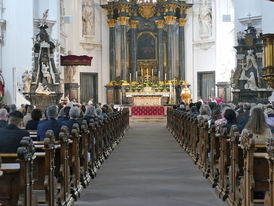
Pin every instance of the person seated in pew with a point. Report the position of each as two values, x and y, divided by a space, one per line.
243 118
230 116
4 117
74 114
27 117
50 123
258 126
204 112
90 113
11 136
65 116
36 115
99 112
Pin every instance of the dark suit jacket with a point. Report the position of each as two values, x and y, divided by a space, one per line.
62 119
10 138
69 123
32 125
43 127
3 124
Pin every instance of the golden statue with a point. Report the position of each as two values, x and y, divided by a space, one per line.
185 94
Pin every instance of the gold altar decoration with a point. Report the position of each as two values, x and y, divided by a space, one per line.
268 70
147 9
111 23
181 21
133 24
170 20
123 20
160 24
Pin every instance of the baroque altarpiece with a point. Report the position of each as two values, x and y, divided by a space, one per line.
247 80
146 44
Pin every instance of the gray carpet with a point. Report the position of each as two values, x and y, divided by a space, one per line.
148 168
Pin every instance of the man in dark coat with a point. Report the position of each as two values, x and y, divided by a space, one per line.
50 124
4 116
11 136
74 114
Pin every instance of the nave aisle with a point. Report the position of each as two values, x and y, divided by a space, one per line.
148 168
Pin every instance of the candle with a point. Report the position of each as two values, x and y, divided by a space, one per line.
136 75
165 76
159 74
142 72
152 73
130 77
147 73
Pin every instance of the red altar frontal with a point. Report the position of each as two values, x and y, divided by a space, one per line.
157 111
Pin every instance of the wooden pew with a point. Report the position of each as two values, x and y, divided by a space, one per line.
74 163
269 197
214 156
16 177
84 175
222 187
256 170
235 169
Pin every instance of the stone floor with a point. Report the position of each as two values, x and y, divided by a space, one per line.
148 168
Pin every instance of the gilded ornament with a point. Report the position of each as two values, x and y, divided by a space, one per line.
123 20
111 23
170 20
133 24
181 21
147 10
160 24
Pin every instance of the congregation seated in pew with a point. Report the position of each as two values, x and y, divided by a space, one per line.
50 123
258 125
4 116
36 115
11 136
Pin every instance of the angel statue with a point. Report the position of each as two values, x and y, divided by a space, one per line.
26 79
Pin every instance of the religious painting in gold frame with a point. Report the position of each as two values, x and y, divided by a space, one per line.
147 46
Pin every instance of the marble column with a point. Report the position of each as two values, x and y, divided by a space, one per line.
181 22
133 49
160 26
170 46
123 23
112 49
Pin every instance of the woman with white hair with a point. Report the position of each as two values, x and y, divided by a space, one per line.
99 112
90 113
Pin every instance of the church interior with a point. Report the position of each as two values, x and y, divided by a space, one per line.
136 102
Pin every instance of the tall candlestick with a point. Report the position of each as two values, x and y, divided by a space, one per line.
130 77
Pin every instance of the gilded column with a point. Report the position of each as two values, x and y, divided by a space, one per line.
112 49
170 46
160 26
123 22
133 49
181 22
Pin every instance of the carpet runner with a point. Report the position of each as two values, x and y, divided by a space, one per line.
147 111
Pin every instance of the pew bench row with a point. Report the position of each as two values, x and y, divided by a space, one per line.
54 172
241 171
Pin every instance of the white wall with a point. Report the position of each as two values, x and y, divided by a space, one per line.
96 46
17 44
